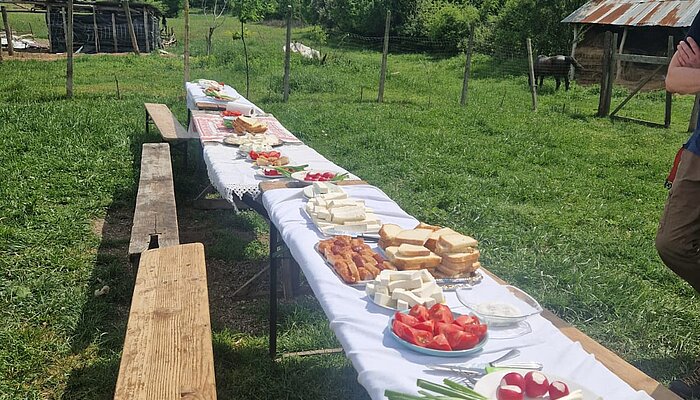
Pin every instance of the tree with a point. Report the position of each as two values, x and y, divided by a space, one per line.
249 11
215 18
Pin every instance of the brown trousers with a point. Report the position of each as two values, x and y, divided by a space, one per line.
678 237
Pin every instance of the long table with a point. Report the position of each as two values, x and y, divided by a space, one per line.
361 326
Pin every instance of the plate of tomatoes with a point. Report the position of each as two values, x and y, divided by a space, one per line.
319 176
437 331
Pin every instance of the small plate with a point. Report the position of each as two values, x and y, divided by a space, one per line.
481 300
259 172
488 385
433 352
299 176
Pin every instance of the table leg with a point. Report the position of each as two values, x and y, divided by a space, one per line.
273 290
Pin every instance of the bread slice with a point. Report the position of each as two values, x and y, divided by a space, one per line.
388 232
391 252
456 243
431 243
384 244
430 261
412 250
413 236
461 258
423 225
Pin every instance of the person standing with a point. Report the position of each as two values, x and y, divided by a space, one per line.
678 237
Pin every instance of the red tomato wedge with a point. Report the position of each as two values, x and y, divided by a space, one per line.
421 338
478 330
460 340
442 328
439 342
464 320
406 319
441 313
419 311
427 326
401 330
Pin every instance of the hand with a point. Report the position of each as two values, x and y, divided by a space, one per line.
689 53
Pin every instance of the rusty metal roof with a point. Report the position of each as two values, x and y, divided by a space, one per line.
672 13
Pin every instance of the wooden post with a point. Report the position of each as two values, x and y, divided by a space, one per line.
533 84
186 51
145 30
114 33
48 24
69 52
287 54
385 54
572 70
694 114
65 27
247 66
622 48
8 32
132 32
467 69
669 95
603 101
94 28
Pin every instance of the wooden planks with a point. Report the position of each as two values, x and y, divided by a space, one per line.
170 128
168 350
156 212
624 370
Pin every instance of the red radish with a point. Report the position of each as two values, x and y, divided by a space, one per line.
536 384
509 392
557 390
513 378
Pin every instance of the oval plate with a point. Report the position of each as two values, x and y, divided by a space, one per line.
489 384
438 353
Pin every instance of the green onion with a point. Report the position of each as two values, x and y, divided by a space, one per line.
463 389
392 395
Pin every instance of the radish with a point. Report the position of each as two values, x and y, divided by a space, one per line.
509 392
513 378
557 390
536 384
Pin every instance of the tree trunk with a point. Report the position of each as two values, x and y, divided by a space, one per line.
209 36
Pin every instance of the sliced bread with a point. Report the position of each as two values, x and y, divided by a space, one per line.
388 232
423 225
391 252
431 243
412 250
430 261
413 236
457 258
456 243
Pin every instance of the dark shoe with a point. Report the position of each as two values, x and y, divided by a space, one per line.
688 387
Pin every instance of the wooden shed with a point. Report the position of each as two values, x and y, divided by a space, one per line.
643 27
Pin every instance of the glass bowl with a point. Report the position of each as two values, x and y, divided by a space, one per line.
499 306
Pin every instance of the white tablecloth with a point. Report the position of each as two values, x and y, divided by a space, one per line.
196 94
233 175
360 325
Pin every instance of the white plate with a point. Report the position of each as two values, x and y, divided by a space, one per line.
309 190
259 172
489 384
299 176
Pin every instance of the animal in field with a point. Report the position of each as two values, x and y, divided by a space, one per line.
555 66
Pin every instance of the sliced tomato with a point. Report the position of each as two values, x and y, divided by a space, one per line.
406 319
442 328
441 313
478 330
464 320
419 311
461 340
439 342
420 338
401 330
253 155
274 154
328 174
427 326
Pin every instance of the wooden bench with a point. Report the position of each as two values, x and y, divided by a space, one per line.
155 215
168 349
170 128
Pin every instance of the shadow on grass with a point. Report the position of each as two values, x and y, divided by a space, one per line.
667 369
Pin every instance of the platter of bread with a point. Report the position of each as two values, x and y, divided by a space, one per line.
334 213
444 252
401 290
352 259
242 125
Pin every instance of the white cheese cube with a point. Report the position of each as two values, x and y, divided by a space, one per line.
320 188
323 214
439 297
381 289
384 280
384 272
405 275
339 203
408 297
335 196
396 293
427 301
405 284
382 299
392 303
370 289
426 276
401 305
345 214
426 290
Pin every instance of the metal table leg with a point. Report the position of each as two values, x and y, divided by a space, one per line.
274 237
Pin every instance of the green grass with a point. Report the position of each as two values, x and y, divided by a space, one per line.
564 204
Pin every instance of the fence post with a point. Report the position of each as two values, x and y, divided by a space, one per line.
467 70
145 30
114 34
49 25
287 53
130 23
669 95
95 30
8 31
603 101
385 54
533 84
694 114
69 52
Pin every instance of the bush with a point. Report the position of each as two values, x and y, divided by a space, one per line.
451 22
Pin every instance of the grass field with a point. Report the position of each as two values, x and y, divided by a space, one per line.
564 204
